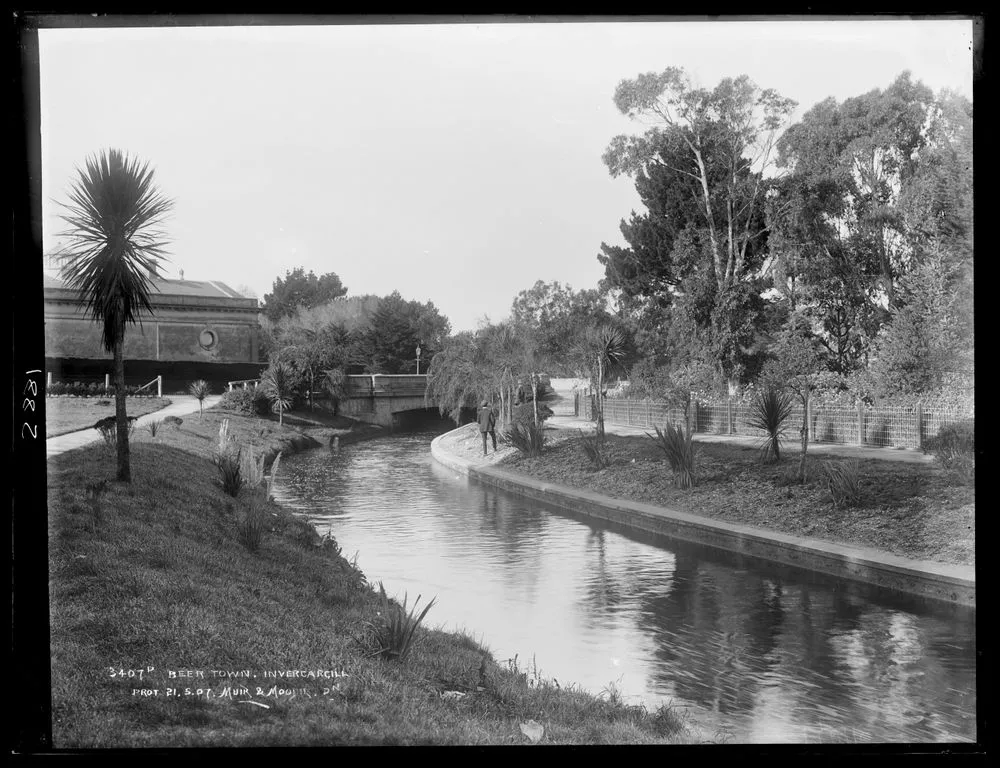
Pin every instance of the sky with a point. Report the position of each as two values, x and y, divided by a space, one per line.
455 163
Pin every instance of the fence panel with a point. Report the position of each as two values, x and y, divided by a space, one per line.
882 426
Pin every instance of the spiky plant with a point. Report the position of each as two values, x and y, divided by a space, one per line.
278 385
594 450
843 480
527 438
200 390
112 244
679 449
603 350
769 411
394 636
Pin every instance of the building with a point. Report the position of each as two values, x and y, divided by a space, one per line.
198 330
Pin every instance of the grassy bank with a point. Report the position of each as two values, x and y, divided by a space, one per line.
151 578
912 510
69 414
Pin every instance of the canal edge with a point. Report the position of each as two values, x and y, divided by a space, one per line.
938 581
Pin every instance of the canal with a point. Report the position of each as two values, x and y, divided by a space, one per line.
752 654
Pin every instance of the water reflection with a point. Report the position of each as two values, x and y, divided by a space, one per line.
758 652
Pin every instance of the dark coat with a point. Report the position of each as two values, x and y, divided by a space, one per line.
487 421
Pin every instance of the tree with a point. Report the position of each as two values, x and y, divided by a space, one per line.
114 243
603 350
278 383
397 328
701 173
298 289
928 342
797 365
550 315
459 376
200 390
737 122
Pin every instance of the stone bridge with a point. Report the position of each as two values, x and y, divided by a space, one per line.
383 398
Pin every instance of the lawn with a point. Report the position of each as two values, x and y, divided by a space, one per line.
912 510
69 414
153 578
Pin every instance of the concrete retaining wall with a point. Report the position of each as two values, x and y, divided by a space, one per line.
936 581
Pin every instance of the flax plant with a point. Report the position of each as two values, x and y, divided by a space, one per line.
768 412
679 449
394 636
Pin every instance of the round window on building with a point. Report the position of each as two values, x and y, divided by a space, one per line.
208 339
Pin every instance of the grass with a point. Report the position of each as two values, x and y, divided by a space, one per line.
153 577
921 511
69 414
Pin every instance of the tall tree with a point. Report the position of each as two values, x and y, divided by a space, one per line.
701 171
298 289
397 328
737 121
548 317
113 244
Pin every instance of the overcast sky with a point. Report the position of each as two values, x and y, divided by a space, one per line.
456 163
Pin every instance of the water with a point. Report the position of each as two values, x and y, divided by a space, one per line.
755 654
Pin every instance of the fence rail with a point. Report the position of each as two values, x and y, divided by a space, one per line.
387 385
881 426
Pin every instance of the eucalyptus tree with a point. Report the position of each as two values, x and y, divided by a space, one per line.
705 165
113 243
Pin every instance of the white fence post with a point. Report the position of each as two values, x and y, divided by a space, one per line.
159 386
107 381
48 380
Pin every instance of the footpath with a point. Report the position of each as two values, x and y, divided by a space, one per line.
180 405
461 451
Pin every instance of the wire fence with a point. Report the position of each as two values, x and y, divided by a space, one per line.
879 426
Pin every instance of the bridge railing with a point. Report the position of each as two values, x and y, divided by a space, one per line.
387 385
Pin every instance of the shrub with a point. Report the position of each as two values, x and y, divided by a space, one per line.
769 411
525 413
594 449
527 438
174 421
230 472
154 426
252 522
844 482
243 401
108 429
954 448
394 635
679 449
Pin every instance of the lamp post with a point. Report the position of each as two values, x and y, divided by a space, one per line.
418 361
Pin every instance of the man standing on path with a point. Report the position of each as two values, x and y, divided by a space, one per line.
487 424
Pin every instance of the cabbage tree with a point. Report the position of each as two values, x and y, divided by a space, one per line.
113 244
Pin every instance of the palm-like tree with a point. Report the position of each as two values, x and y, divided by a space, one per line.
603 349
278 385
114 242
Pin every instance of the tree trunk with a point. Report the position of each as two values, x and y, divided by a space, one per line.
805 437
534 395
121 417
599 400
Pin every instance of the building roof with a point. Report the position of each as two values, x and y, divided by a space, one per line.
204 288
